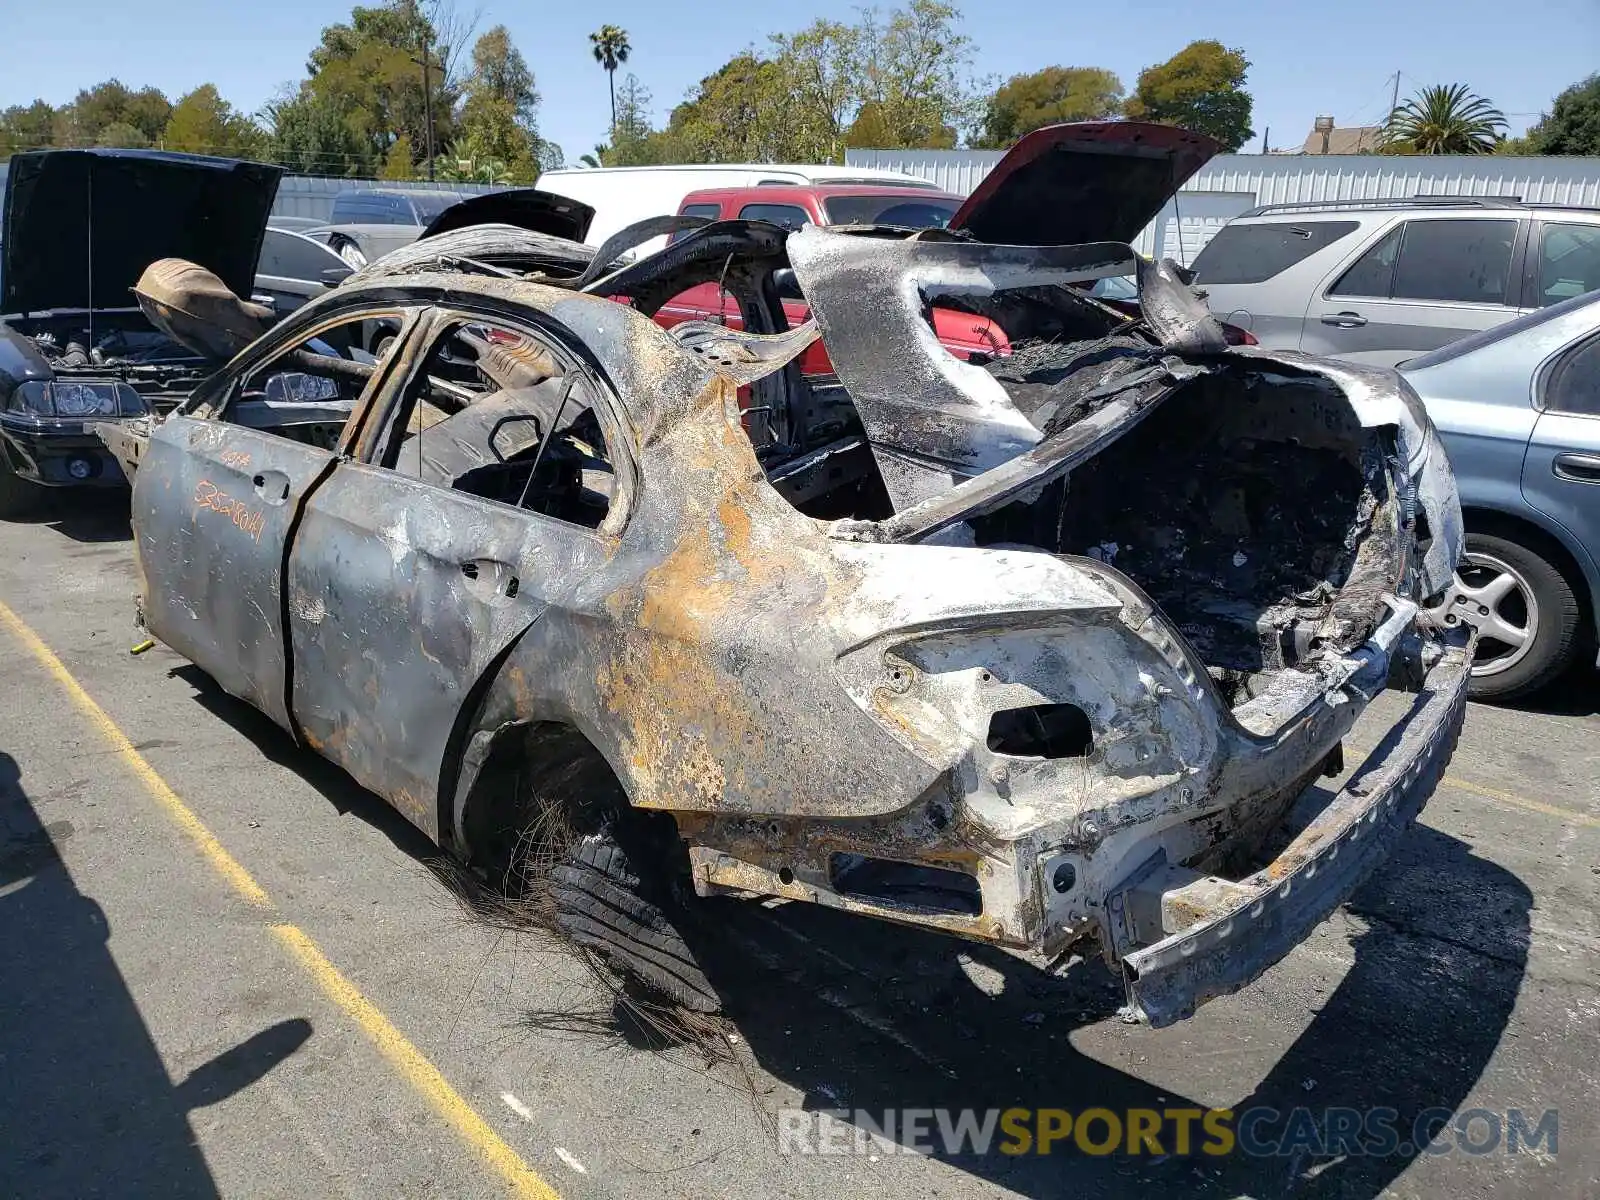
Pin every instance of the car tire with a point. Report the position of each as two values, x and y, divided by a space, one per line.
17 495
1525 610
610 880
603 905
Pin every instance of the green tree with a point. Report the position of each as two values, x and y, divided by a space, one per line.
611 50
1444 120
1048 97
119 135
738 113
1572 126
821 70
148 110
1200 88
202 122
112 103
919 71
499 115
365 88
27 127
633 142
400 162
310 134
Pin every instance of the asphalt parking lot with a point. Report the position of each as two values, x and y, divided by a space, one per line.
226 971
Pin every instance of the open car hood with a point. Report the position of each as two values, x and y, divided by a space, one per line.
526 208
81 225
1068 185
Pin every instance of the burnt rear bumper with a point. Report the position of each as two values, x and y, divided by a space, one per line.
1253 925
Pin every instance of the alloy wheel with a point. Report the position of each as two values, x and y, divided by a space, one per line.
1491 596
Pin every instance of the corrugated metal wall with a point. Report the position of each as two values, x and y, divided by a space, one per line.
1231 183
312 195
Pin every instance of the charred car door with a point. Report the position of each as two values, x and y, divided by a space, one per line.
483 488
217 493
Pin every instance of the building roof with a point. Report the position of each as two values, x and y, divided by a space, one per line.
1352 139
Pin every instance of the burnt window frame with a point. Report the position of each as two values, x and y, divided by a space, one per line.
441 322
213 399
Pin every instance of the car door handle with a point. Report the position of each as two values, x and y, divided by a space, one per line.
272 486
1344 320
1577 468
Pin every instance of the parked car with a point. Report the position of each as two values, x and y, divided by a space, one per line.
294 268
1381 281
79 228
366 223
621 196
540 590
791 206
1518 407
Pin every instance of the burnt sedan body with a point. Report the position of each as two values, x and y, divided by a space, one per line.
1036 651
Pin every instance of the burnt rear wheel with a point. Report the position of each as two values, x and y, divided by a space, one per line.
553 830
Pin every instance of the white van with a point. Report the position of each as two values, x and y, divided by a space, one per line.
622 195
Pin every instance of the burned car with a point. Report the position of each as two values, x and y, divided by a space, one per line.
80 227
1036 650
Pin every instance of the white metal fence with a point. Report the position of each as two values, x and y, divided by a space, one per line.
1231 183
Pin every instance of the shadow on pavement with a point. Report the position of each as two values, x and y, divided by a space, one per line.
863 1016
83 514
347 796
86 1106
1575 694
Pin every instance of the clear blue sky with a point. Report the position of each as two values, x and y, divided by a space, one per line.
1308 56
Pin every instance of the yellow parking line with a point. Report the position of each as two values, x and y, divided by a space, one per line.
406 1058
1516 801
219 858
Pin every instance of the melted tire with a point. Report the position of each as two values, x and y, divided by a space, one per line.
603 905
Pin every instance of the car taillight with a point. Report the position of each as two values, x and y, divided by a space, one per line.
1239 337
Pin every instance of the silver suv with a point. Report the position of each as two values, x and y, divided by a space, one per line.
1380 281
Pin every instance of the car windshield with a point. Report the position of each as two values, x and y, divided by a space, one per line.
890 209
1499 333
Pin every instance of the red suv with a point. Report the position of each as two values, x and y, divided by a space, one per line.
794 205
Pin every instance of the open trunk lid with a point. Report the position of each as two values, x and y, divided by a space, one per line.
1096 181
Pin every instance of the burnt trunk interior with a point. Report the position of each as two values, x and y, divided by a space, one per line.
1238 506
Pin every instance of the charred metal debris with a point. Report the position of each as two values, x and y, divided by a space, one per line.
1035 647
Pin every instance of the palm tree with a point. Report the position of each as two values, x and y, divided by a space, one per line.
611 51
1444 120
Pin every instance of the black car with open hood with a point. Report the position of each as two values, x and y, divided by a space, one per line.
79 228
